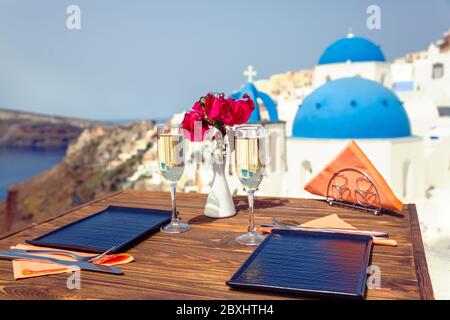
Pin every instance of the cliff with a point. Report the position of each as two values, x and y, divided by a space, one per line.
100 160
25 129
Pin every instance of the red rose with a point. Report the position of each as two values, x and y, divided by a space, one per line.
194 125
240 111
217 111
198 107
216 108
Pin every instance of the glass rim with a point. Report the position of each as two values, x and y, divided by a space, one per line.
249 125
258 129
164 125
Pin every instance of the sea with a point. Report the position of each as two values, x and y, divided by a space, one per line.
20 164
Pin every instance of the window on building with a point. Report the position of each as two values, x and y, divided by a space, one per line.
305 172
408 185
273 151
263 112
438 71
444 111
403 86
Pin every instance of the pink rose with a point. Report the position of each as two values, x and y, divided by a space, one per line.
240 111
194 125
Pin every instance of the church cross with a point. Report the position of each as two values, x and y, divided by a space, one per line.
250 73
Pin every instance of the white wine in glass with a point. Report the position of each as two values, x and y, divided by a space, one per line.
171 164
250 156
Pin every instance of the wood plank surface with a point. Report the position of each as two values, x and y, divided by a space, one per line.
196 264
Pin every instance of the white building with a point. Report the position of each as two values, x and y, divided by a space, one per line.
422 81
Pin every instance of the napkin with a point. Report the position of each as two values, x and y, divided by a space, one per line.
353 157
331 221
334 221
27 269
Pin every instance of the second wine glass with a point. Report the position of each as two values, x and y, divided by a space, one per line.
250 158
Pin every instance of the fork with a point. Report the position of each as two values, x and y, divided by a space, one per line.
64 253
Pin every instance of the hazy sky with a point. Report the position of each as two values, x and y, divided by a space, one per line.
148 59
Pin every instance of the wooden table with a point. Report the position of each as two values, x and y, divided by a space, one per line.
196 264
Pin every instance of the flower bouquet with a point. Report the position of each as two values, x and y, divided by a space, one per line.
216 111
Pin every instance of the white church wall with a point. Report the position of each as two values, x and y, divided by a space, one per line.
407 168
421 109
383 74
437 157
376 71
402 72
287 109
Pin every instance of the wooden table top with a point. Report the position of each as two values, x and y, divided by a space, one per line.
196 264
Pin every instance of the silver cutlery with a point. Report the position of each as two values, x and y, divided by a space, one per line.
277 223
62 252
81 264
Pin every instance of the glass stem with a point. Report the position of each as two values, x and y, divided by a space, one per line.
251 218
173 195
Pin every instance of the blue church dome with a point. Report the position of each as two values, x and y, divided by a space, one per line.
351 108
254 94
352 49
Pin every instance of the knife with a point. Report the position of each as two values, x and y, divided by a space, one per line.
80 264
267 228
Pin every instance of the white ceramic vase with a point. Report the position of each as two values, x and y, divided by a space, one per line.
220 202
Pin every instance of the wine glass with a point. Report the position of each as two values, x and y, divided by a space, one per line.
250 152
171 164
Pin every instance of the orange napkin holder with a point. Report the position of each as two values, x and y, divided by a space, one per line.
352 180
